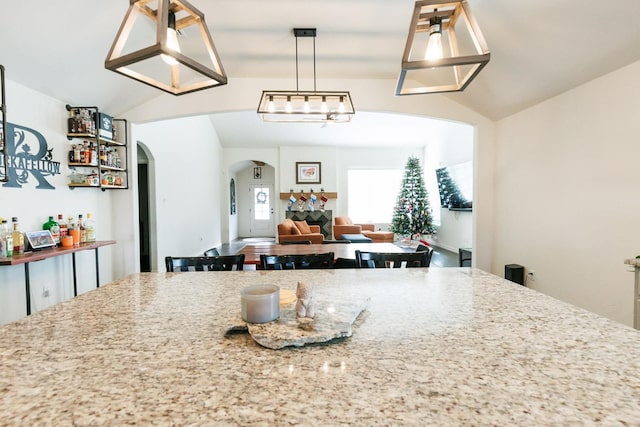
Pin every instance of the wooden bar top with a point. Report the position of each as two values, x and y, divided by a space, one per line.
340 250
38 255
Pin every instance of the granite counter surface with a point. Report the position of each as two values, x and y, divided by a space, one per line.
454 346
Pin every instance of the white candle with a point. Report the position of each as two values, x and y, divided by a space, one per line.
260 303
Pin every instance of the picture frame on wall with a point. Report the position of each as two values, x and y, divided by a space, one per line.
308 173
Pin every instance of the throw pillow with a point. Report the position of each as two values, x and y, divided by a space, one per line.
294 229
303 227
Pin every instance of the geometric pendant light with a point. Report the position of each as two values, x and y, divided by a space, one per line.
445 49
147 47
311 106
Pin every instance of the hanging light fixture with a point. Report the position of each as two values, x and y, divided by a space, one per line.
445 49
174 66
305 106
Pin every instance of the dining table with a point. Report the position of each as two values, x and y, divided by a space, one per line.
430 346
340 250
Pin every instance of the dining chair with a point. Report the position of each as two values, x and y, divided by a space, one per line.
211 252
428 249
297 261
205 263
391 259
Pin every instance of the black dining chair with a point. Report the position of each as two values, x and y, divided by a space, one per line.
391 259
205 263
428 250
297 261
211 252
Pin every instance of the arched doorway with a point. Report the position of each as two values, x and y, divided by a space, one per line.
255 200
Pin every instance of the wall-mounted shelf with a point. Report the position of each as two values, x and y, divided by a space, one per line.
96 134
461 209
328 195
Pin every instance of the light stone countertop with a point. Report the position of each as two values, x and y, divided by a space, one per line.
438 346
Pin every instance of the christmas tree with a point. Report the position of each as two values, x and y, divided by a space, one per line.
412 214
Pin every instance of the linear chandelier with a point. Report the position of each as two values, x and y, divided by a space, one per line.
176 67
305 106
445 49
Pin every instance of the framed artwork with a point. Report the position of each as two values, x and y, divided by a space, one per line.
307 172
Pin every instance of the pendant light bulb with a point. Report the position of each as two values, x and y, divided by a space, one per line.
341 107
323 107
307 108
288 107
434 45
172 40
270 107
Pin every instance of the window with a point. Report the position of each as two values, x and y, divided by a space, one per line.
373 194
261 206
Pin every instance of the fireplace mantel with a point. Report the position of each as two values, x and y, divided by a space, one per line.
321 218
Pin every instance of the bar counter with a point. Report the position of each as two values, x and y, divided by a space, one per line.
437 346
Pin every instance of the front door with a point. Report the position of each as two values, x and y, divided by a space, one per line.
261 211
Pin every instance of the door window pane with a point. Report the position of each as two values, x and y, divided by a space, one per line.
261 203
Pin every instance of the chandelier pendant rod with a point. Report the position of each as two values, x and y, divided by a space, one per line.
297 84
314 65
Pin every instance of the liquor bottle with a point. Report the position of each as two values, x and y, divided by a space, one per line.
90 229
54 228
73 231
94 155
18 237
72 123
64 228
8 238
3 248
81 227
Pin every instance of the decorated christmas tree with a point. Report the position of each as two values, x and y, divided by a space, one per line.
412 214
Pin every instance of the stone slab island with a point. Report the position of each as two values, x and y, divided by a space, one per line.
437 346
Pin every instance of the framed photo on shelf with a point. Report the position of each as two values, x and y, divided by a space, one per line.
307 172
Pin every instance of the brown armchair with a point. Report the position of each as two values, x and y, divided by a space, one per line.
344 225
293 231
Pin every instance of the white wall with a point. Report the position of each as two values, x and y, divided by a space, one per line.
567 195
190 187
456 228
33 206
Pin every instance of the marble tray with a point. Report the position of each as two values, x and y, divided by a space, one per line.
332 320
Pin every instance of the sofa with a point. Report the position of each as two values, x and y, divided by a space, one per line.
344 225
295 231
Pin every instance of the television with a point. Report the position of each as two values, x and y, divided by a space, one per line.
455 185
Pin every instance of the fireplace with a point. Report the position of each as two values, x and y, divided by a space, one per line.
323 219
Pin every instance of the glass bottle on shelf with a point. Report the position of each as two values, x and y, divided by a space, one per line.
64 227
93 154
54 228
3 248
90 229
83 231
7 235
18 237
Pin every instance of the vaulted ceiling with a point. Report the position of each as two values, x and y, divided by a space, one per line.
539 49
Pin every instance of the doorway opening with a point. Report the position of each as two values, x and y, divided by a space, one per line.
145 195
